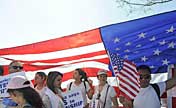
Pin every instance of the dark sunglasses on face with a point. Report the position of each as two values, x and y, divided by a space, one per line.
17 67
144 77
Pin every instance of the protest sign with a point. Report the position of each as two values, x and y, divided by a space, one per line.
73 99
4 81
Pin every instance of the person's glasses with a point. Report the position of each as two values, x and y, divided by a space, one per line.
17 67
144 77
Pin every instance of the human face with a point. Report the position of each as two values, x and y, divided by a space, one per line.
17 97
15 67
58 81
102 78
76 75
144 78
39 79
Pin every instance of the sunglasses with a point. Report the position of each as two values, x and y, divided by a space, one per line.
144 77
17 67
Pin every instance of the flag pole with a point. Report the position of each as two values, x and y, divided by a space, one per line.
117 81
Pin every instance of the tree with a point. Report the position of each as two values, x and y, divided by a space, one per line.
133 5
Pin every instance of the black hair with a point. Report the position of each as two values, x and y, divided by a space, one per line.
1 70
146 67
42 75
83 74
50 80
30 95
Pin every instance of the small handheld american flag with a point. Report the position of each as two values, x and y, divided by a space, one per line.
127 75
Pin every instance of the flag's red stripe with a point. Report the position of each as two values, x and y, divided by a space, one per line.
121 73
31 67
129 91
129 73
56 60
131 67
121 80
67 42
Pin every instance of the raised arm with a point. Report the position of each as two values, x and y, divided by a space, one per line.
171 82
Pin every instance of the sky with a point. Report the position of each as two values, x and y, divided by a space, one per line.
28 21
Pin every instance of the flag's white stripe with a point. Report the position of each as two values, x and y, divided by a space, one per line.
127 80
129 76
159 77
71 67
4 61
129 88
59 54
72 61
126 92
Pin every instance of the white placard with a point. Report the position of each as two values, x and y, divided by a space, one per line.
4 81
73 99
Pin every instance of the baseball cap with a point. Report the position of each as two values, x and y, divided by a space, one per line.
18 82
101 72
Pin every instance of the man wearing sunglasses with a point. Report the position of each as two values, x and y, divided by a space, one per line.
14 67
149 94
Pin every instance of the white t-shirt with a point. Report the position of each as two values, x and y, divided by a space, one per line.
41 92
82 88
148 98
111 93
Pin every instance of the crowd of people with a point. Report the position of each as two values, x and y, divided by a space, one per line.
47 91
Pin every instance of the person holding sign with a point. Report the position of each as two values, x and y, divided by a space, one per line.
21 92
82 84
52 97
104 94
14 67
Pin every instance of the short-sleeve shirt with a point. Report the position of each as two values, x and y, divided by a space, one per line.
147 97
82 88
110 94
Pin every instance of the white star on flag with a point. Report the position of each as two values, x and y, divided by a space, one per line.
165 62
116 40
142 35
162 42
171 29
153 38
144 58
171 45
128 44
157 52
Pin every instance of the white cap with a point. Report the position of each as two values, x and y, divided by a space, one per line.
18 82
102 72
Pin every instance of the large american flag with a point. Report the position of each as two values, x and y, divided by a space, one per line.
150 41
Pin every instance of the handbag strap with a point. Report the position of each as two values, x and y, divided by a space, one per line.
106 96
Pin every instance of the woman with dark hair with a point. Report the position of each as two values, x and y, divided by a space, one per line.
40 82
53 93
21 92
82 84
